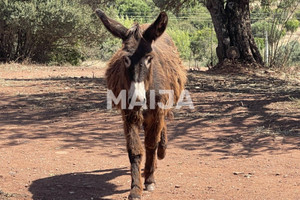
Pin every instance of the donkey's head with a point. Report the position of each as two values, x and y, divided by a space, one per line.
138 56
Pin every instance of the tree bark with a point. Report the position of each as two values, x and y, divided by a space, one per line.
233 29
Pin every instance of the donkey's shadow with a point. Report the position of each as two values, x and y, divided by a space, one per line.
82 185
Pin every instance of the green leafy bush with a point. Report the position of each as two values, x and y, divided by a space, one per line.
260 42
294 48
61 56
182 41
35 29
108 47
288 54
135 8
274 33
201 42
292 25
297 15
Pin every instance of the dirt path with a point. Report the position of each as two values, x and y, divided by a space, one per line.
58 141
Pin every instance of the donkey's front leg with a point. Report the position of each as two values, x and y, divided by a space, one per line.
135 151
153 130
136 182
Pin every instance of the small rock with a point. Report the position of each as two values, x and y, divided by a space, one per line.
177 186
13 174
278 138
247 175
237 173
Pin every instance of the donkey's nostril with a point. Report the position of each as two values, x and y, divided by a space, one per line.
129 100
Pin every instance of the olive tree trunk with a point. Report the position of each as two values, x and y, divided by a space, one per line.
233 29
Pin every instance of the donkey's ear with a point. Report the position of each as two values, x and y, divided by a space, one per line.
112 26
157 28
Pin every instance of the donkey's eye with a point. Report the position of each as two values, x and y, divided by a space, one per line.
148 61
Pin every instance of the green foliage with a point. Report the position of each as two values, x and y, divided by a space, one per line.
297 15
260 42
259 28
56 32
60 56
108 47
201 42
35 29
182 41
135 8
289 54
177 5
190 29
258 13
292 25
287 4
295 53
127 21
69 31
276 18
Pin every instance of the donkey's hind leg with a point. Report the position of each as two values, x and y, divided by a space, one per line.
153 127
162 145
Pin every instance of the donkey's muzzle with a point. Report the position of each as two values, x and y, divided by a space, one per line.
137 94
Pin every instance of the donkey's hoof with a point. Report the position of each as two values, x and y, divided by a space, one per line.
150 187
161 152
134 197
135 194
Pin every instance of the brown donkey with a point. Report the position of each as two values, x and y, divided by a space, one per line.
147 63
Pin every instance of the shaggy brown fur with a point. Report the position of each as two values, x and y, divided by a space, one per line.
166 73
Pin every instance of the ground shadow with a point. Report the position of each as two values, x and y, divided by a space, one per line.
38 115
244 112
82 185
81 95
227 103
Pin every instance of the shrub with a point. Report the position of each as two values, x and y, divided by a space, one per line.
260 42
182 41
135 8
201 43
43 30
292 25
297 15
288 54
61 56
274 33
294 47
108 47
